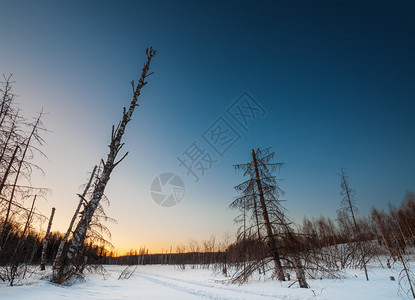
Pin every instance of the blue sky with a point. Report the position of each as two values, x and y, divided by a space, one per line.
335 78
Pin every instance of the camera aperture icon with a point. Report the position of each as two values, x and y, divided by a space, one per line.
167 189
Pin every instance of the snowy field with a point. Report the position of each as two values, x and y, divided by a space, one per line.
169 282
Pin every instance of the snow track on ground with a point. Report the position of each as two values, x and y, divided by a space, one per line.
209 291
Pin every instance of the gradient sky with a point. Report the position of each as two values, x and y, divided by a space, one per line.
336 79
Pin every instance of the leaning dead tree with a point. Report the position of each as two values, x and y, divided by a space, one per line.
349 209
69 263
269 224
270 234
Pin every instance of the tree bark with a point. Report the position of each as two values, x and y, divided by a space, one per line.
259 235
271 239
299 271
115 146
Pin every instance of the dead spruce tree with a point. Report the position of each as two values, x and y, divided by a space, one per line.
252 191
75 248
349 209
260 196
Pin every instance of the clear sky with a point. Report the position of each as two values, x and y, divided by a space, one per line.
335 80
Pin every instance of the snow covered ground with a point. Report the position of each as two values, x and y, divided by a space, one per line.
169 282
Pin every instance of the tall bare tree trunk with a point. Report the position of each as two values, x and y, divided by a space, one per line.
356 228
45 242
271 239
115 146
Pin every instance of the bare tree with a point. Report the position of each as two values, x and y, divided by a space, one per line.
260 196
348 205
253 190
74 249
